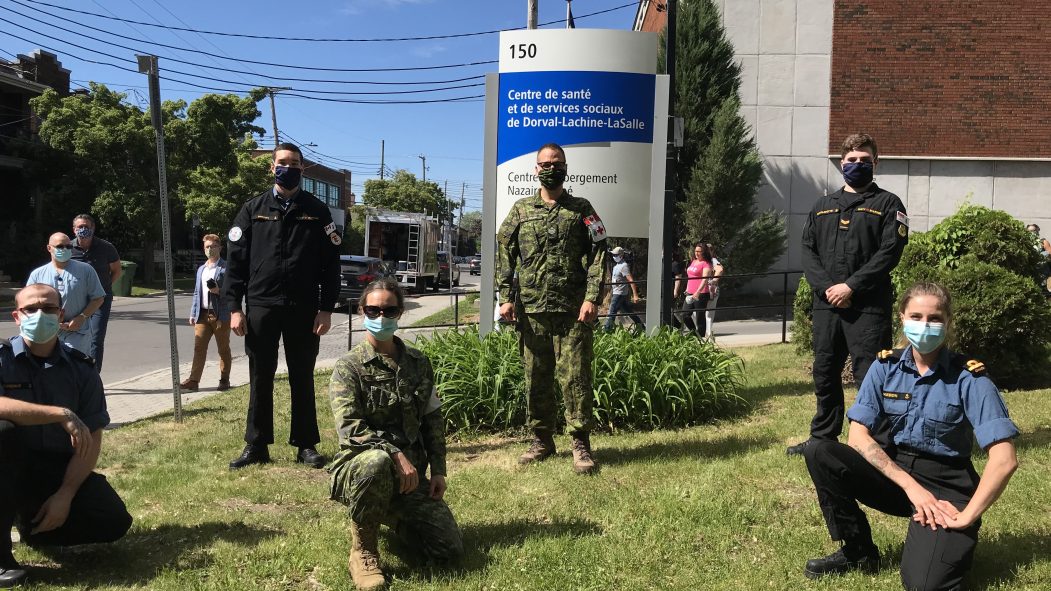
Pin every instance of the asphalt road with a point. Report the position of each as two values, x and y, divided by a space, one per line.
137 341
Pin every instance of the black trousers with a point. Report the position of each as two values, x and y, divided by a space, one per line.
295 325
931 559
693 313
836 333
96 514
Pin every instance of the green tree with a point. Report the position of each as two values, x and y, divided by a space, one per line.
209 168
404 192
719 168
471 222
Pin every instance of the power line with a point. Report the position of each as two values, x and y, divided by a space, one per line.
236 71
471 98
213 79
329 40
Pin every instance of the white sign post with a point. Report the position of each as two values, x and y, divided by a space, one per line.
596 93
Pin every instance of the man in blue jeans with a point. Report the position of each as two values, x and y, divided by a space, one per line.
103 257
622 281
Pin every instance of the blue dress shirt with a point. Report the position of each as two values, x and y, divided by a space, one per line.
934 413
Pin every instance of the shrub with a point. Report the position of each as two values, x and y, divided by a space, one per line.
640 382
803 319
999 317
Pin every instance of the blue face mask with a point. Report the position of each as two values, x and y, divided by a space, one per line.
381 328
857 174
287 177
63 254
84 232
38 328
924 336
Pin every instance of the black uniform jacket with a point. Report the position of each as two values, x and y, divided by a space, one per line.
857 239
280 257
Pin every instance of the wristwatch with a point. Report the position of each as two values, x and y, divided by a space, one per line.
86 317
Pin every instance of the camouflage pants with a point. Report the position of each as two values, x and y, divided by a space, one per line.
369 488
556 345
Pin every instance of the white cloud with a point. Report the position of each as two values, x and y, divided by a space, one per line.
429 51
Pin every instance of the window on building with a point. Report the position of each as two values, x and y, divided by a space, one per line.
334 196
308 185
321 191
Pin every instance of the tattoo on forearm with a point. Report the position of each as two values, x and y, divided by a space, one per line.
875 455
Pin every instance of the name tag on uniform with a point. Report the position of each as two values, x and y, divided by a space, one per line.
897 395
17 386
307 218
826 212
265 218
872 211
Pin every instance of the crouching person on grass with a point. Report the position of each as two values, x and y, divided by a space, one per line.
52 411
932 402
390 428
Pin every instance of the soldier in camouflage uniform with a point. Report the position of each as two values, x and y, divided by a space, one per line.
390 429
557 244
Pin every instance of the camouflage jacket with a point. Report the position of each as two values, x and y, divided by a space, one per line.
381 404
558 251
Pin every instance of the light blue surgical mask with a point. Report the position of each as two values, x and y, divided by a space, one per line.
381 328
924 336
63 254
38 327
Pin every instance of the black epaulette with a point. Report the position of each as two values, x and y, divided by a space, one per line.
890 355
78 354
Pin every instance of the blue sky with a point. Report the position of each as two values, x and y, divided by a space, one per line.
449 134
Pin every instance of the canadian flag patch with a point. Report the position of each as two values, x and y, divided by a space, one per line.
595 227
903 219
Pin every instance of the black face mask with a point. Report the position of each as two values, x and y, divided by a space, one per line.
857 174
287 177
551 178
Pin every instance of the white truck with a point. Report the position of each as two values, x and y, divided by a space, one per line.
407 243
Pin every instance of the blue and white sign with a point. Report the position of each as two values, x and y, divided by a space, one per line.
597 94
593 92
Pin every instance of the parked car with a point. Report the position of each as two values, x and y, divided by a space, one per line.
355 273
443 270
475 265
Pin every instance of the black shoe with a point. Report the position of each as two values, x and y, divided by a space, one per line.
12 575
797 449
837 563
252 454
310 457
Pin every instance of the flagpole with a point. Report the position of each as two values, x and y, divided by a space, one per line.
569 15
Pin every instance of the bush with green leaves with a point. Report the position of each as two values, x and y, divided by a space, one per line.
803 318
641 382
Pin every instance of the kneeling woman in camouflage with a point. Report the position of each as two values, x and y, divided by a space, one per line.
932 402
390 429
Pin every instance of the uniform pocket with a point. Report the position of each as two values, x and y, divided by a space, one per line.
379 394
896 411
943 424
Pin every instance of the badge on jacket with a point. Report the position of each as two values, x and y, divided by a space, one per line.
235 234
595 227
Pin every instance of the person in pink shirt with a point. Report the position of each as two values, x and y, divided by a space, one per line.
698 290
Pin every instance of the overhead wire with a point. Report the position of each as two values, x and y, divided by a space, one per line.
331 40
234 70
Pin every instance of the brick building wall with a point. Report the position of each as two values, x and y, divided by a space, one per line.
969 78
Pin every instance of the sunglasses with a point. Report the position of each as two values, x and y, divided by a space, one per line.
376 311
34 309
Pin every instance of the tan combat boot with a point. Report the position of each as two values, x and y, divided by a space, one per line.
542 447
583 463
365 557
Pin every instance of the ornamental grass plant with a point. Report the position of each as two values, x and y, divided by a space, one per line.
668 380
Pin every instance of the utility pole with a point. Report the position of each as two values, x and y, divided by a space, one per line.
667 285
383 163
424 158
531 21
148 66
459 223
272 90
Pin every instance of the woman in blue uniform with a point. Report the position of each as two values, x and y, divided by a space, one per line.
930 401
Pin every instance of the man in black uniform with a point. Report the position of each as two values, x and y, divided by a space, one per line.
852 240
284 263
52 411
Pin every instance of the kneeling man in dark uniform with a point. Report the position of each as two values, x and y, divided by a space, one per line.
52 411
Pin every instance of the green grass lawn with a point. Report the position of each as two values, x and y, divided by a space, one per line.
712 507
157 287
468 313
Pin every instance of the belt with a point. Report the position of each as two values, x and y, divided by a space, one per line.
906 454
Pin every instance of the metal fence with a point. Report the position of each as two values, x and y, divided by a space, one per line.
783 306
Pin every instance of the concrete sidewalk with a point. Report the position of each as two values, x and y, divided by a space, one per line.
150 394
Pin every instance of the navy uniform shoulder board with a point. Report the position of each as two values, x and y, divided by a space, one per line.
970 364
890 355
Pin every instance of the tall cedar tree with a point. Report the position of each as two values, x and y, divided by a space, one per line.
719 168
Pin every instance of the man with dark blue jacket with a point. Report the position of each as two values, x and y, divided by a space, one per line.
284 266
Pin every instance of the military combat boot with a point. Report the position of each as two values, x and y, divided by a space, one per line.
583 463
365 557
542 447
